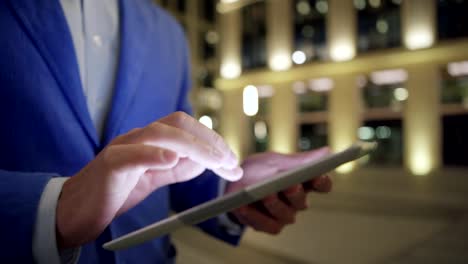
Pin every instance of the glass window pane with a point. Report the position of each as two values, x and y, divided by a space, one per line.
389 135
313 136
208 10
379 24
254 36
260 134
309 29
454 84
181 5
451 19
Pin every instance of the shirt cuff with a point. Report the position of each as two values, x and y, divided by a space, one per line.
231 227
44 244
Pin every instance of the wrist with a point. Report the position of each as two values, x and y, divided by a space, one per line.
75 223
62 220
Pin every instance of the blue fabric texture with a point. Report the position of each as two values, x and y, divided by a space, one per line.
47 127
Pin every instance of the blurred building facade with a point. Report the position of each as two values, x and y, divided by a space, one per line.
292 75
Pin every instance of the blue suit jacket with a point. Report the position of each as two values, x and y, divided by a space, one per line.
47 131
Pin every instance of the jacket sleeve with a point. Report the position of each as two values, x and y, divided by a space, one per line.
204 187
20 194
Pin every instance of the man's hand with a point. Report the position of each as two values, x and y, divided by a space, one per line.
276 211
174 149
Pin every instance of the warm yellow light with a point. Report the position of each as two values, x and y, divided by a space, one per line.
250 100
342 51
228 1
280 61
421 159
343 140
233 141
230 70
345 168
419 38
207 121
420 162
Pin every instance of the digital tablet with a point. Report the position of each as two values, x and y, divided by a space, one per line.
242 197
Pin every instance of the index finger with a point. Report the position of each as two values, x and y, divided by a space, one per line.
187 123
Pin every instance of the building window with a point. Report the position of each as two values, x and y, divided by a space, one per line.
208 10
455 84
309 30
312 96
455 129
313 136
388 133
181 6
209 40
254 36
384 89
205 78
379 24
451 19
259 127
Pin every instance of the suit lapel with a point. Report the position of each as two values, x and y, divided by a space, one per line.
134 31
45 23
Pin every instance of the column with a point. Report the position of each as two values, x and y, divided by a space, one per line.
341 30
283 120
230 28
283 112
279 34
422 124
418 23
233 123
344 115
235 127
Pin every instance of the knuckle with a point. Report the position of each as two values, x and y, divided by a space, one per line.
156 129
107 155
217 140
179 117
134 131
127 137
